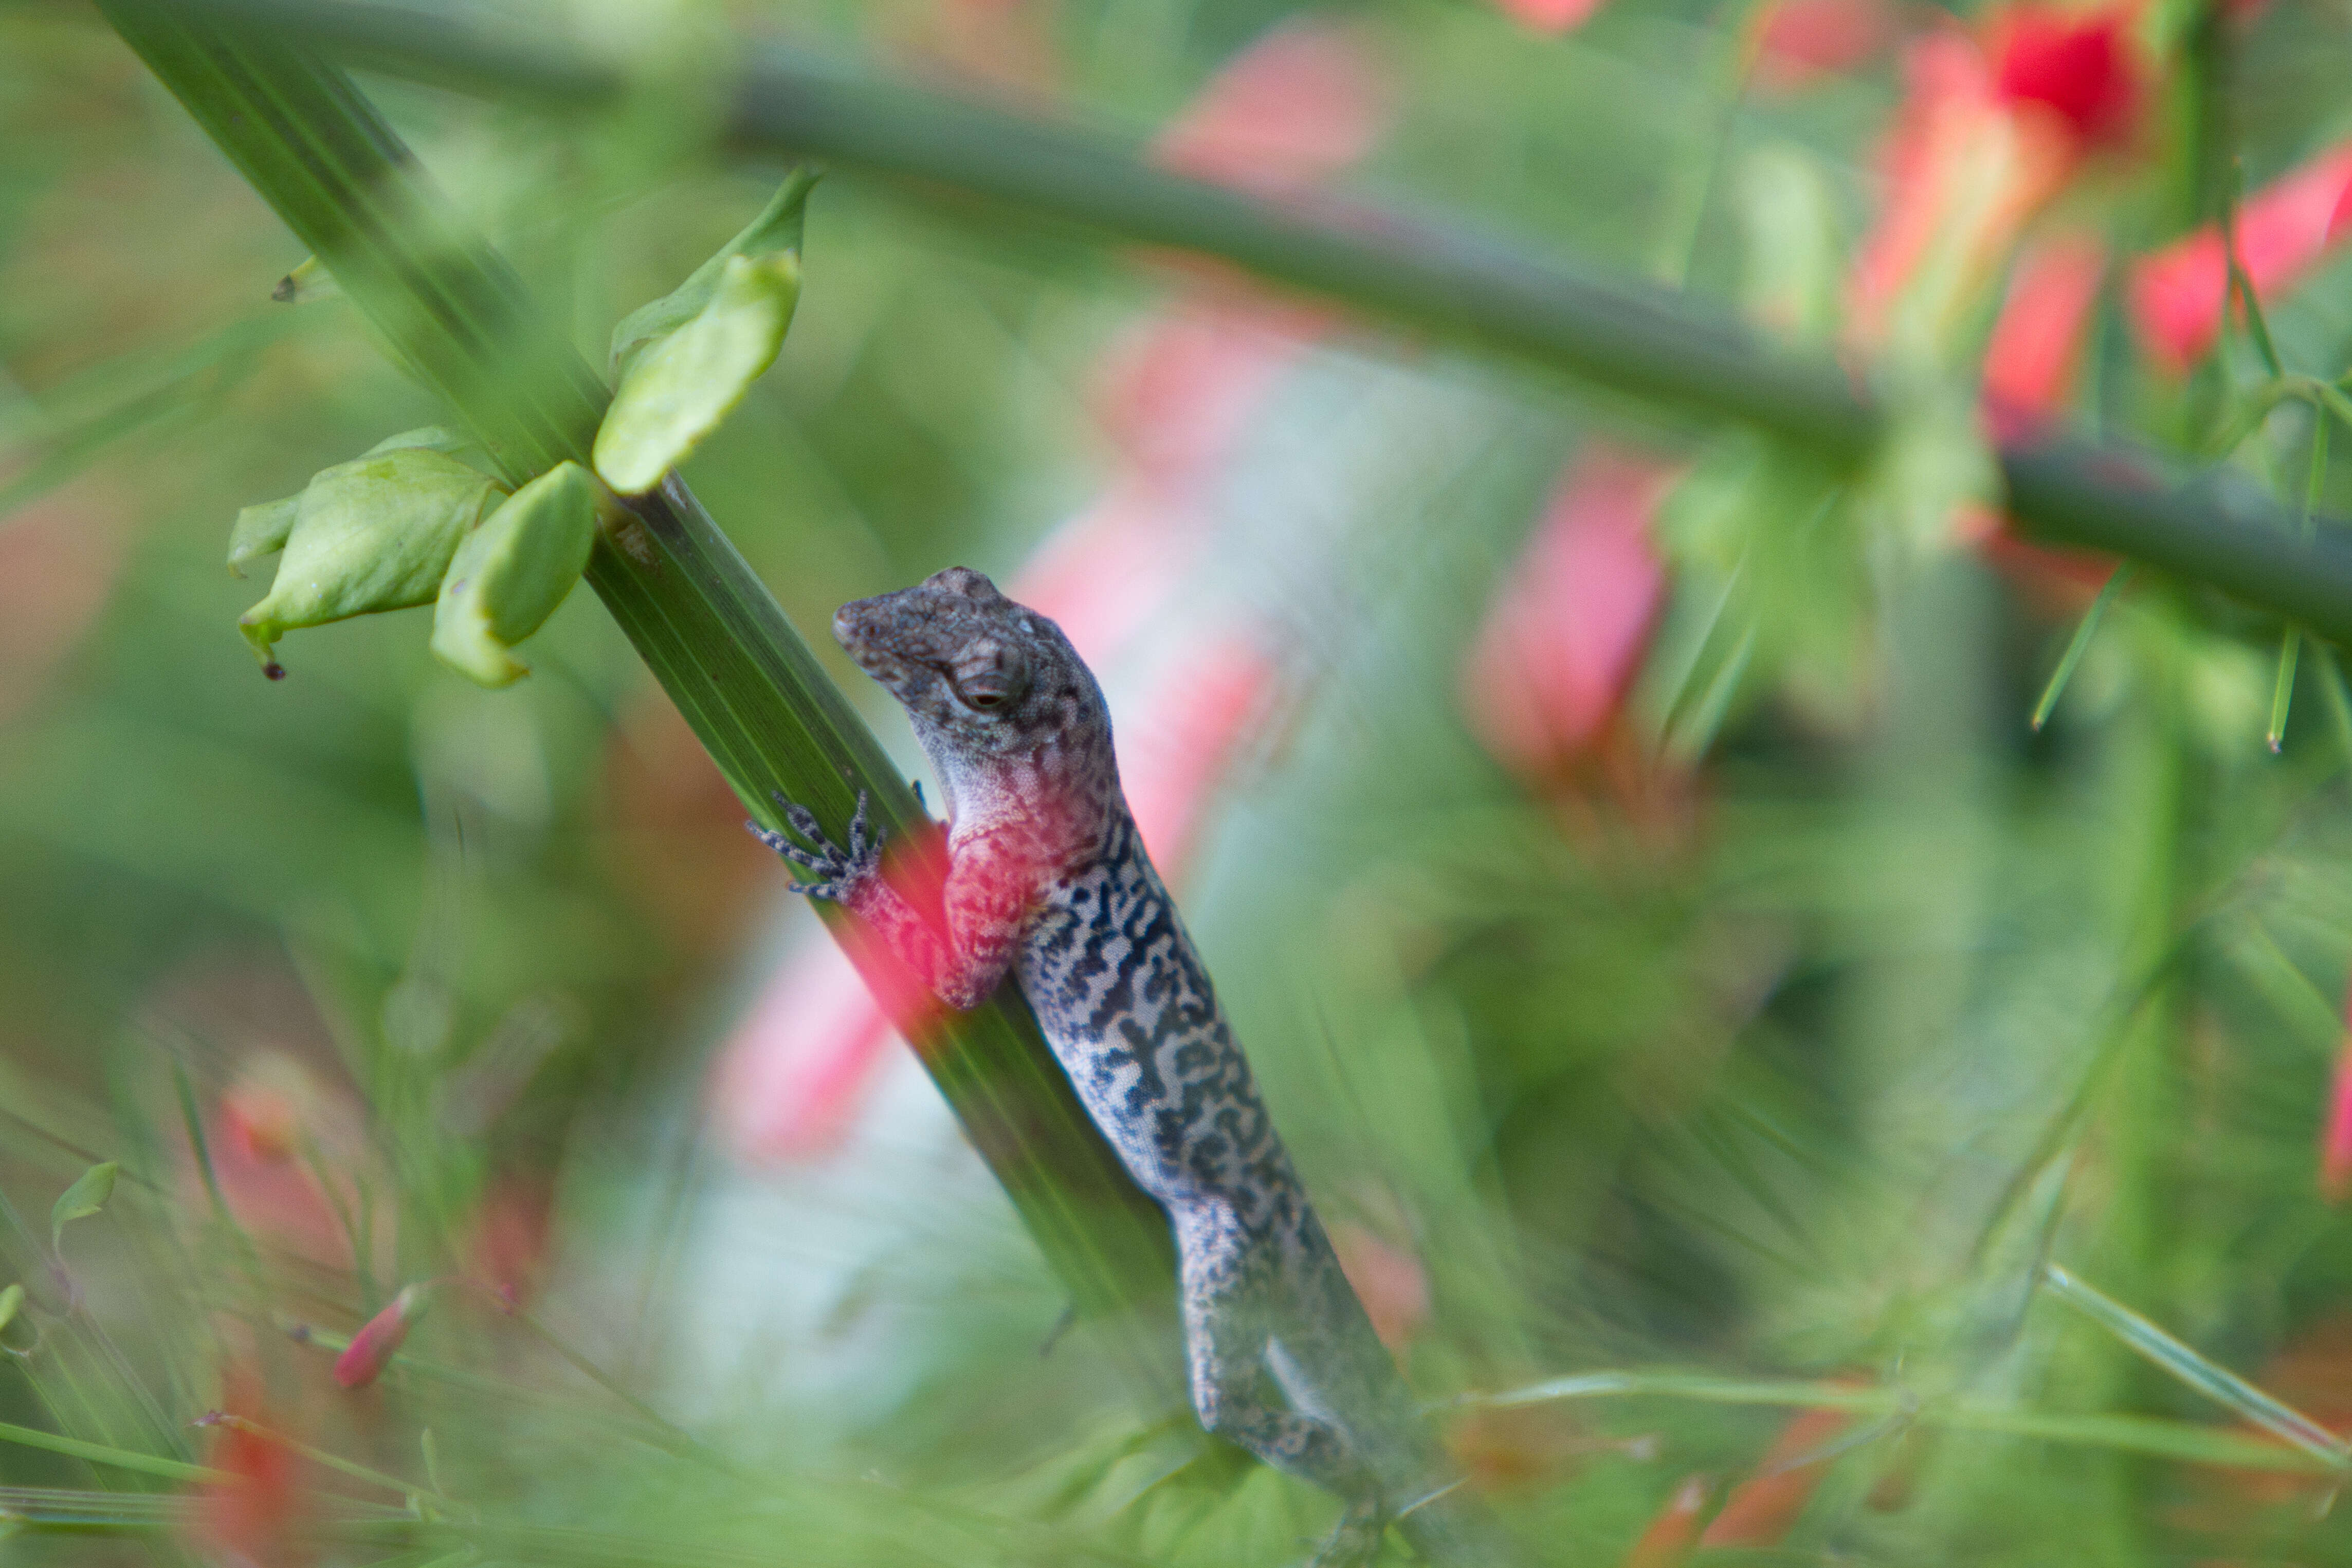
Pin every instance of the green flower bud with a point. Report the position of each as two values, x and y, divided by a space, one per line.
376 534
423 438
681 388
262 529
777 228
511 573
687 359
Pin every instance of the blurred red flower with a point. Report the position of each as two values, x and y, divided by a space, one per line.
2283 231
255 1516
58 559
507 1246
1980 146
1672 1530
1388 1279
1296 106
1550 15
2037 341
1174 393
1505 1448
1798 42
268 1114
260 1120
793 1074
1761 1509
2028 377
2083 66
1209 700
1563 640
2335 1132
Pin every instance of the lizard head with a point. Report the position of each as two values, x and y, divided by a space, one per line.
980 676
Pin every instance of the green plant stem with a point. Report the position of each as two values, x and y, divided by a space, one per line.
677 1438
2215 1382
1625 335
451 309
332 1461
2282 688
2134 1433
2242 286
106 1454
2078 645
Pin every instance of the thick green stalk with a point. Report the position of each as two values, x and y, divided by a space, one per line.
456 315
1620 333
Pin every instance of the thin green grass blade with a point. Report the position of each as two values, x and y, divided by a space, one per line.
2129 1434
2241 285
63 1509
2339 701
2315 481
2306 1014
2332 397
2215 1382
2291 641
329 1459
1691 738
2282 689
106 1454
112 402
2084 629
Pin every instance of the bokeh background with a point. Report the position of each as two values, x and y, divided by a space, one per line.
1666 941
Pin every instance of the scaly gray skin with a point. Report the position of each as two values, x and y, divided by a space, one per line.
1049 880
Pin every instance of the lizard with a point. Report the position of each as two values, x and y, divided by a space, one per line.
1048 881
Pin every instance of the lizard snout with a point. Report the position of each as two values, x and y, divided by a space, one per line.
863 627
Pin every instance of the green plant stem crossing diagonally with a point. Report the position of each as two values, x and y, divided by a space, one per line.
455 314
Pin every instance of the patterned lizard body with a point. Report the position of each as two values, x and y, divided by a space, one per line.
1049 880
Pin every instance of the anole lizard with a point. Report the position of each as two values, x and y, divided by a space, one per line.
1048 881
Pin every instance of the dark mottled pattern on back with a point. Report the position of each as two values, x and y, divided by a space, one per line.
1105 964
1049 881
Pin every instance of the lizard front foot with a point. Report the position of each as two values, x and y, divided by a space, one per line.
1355 1540
839 870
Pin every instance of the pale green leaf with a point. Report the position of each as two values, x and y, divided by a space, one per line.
85 1198
1791 266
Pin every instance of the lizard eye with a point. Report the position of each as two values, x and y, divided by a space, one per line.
989 675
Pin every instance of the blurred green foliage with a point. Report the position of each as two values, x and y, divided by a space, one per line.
1793 1052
